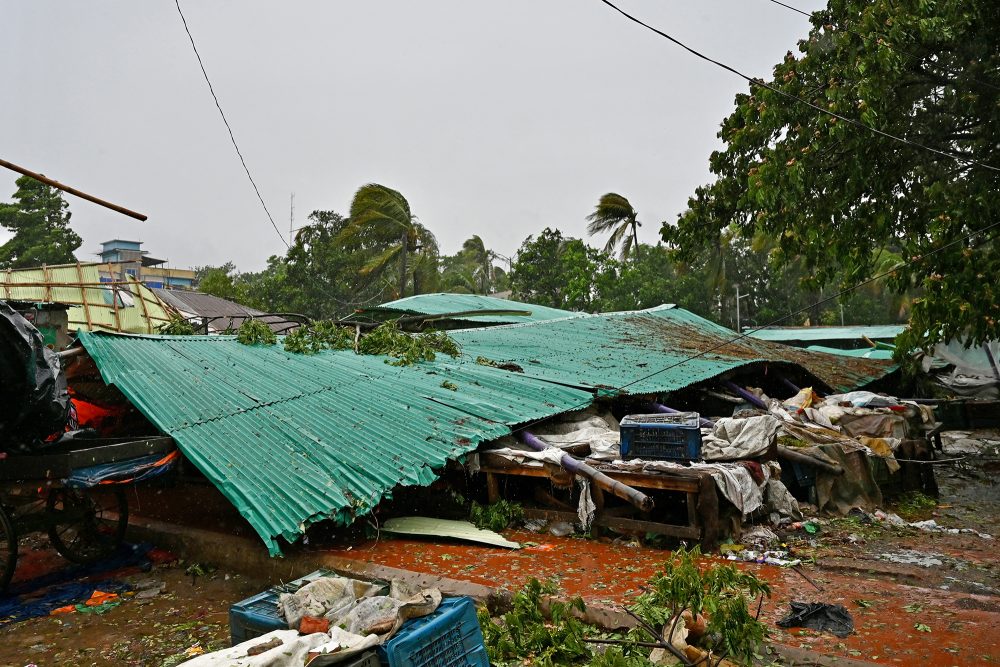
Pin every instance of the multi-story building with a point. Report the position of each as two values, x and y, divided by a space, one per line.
120 257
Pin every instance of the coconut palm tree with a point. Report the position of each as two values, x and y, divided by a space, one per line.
381 222
614 213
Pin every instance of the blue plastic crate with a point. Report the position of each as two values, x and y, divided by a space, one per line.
255 616
450 637
669 437
258 614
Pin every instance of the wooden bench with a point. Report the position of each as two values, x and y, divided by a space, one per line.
703 522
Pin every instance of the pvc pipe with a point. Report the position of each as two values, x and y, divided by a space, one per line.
577 467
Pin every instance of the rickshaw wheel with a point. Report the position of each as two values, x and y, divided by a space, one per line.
87 525
8 549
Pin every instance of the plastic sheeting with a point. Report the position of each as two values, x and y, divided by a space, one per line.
124 472
33 393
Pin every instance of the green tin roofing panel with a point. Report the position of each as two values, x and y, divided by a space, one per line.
293 439
444 303
645 352
806 334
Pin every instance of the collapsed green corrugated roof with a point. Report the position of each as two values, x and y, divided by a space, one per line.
647 351
446 303
292 439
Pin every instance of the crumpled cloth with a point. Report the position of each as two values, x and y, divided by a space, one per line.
733 439
833 618
733 480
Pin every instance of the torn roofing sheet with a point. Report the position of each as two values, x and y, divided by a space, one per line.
442 304
293 439
124 305
648 351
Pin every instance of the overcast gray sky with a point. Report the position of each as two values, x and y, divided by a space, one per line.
492 118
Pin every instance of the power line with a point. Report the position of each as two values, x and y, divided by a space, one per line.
759 82
951 71
781 319
230 129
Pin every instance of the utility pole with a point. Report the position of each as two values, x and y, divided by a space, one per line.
291 218
739 296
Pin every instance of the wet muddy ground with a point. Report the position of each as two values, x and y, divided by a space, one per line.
917 598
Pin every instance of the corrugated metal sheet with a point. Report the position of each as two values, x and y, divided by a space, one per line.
442 303
121 306
619 350
293 439
223 313
886 332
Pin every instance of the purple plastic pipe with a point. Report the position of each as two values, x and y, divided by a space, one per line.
660 407
752 399
577 467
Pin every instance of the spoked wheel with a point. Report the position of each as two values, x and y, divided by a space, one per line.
87 525
8 549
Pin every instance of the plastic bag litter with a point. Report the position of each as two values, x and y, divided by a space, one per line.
320 597
832 618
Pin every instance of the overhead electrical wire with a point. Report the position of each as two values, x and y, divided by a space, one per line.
760 82
749 333
224 120
884 43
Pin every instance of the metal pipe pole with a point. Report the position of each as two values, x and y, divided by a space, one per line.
577 467
72 191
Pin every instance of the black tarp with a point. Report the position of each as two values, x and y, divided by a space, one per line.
33 397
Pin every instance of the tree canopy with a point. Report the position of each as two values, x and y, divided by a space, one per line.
836 199
39 218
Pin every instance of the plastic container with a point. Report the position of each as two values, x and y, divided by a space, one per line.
258 614
667 437
450 637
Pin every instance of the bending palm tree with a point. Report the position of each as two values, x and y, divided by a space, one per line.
614 213
377 214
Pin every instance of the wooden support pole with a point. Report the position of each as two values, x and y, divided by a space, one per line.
72 191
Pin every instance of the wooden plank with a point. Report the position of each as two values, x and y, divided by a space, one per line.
616 523
688 482
708 513
83 297
660 481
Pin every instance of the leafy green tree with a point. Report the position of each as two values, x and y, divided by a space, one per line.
39 218
555 271
652 278
615 213
837 197
217 280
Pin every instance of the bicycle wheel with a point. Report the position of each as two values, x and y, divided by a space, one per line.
87 525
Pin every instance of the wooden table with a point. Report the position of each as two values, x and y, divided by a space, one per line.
703 522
